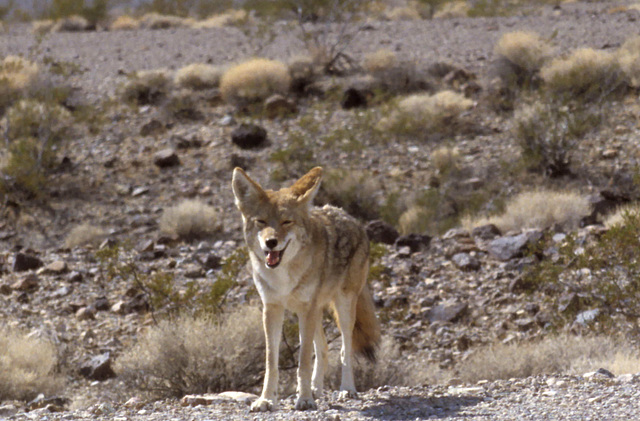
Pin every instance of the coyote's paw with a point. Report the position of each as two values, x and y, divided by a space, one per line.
317 392
263 405
302 404
344 395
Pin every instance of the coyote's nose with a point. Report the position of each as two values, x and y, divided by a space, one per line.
271 243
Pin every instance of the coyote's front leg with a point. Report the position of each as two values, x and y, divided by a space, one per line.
272 319
307 321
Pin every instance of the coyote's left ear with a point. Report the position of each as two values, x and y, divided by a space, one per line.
244 188
307 187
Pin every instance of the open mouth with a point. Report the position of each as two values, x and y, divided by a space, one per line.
274 257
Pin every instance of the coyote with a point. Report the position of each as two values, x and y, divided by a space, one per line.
305 258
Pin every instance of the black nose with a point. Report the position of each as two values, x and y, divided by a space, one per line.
271 243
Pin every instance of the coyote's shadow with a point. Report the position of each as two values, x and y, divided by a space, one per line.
418 407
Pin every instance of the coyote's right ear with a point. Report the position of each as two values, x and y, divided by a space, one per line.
244 188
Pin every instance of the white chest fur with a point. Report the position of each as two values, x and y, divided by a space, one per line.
279 285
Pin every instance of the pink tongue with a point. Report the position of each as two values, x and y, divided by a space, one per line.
273 257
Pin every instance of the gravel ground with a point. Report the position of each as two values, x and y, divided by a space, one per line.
106 58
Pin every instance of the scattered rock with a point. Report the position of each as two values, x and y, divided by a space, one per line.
486 232
181 142
24 262
212 262
379 231
509 247
140 191
249 136
447 312
152 128
86 313
466 262
29 283
587 317
166 158
58 267
75 277
353 98
278 106
212 398
416 242
98 368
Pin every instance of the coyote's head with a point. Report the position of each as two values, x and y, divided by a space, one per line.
275 222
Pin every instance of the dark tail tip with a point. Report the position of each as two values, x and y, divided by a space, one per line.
369 352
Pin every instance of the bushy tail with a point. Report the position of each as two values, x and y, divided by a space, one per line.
366 332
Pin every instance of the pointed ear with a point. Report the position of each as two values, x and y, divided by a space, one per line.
244 188
307 187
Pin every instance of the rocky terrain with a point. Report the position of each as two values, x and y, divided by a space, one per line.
441 296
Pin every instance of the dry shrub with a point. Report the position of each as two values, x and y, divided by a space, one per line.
42 27
27 366
228 18
629 59
403 13
158 21
619 217
72 23
17 74
197 355
147 87
199 76
425 112
586 72
190 220
452 10
521 54
446 159
354 191
415 220
393 75
84 234
124 23
254 80
380 61
562 354
539 209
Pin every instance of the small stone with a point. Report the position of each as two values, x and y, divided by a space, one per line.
24 262
609 154
277 106
249 136
86 313
134 403
28 283
465 262
379 231
75 277
353 98
486 232
58 267
241 397
212 262
5 289
152 128
447 312
139 191
166 158
98 368
509 247
416 242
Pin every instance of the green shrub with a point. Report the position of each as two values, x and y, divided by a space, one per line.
548 134
199 76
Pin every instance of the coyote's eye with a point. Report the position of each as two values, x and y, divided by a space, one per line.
287 222
261 222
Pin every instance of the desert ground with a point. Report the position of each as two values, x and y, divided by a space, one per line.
478 322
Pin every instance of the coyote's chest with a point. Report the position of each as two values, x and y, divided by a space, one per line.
281 285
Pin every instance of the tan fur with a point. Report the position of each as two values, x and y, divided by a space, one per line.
304 259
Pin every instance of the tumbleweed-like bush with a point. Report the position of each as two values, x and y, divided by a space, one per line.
254 80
